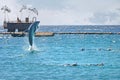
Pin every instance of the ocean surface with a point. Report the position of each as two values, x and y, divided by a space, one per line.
80 28
97 56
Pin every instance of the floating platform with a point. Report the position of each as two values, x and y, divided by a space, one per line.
39 34
22 34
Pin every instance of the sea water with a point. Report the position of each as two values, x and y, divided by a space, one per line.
49 60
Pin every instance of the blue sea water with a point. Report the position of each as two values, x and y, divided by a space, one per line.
80 28
49 60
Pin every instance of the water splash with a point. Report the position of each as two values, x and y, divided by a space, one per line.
27 47
33 48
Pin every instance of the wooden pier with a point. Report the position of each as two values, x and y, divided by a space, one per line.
37 34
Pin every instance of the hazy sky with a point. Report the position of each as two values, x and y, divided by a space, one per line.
68 12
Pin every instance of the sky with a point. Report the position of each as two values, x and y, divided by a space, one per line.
66 12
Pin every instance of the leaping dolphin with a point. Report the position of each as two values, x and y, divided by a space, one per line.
31 31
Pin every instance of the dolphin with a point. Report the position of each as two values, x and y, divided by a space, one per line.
31 31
